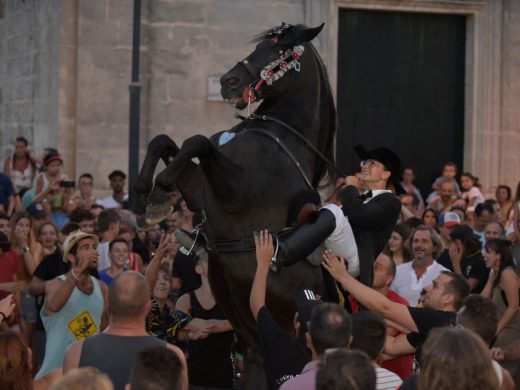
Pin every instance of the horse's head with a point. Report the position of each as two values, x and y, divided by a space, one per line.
267 71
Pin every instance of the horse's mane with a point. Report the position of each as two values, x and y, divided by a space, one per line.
325 141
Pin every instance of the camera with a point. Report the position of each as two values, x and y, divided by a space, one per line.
67 184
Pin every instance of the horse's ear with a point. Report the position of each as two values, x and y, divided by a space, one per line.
310 33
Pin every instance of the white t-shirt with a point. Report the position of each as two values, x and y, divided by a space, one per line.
110 203
408 286
103 261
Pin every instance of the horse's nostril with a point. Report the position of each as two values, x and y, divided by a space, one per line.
232 81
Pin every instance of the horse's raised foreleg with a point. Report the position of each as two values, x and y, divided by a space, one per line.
189 181
160 147
222 175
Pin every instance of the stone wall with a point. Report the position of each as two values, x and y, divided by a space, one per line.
509 135
182 43
65 71
29 40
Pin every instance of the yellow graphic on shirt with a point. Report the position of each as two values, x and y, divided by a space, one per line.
82 326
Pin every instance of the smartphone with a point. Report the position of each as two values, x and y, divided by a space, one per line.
67 184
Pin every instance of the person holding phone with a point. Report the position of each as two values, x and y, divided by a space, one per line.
53 190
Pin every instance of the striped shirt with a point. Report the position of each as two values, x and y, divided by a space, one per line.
387 380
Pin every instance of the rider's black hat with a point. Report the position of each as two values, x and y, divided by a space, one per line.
386 157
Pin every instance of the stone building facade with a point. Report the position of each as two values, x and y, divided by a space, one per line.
65 71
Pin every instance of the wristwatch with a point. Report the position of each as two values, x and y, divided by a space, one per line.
24 249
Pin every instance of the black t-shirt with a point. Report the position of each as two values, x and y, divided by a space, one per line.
473 267
52 266
140 248
426 319
284 357
445 259
184 269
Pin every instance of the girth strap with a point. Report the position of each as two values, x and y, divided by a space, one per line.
241 244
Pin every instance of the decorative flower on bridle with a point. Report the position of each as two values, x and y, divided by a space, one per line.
278 68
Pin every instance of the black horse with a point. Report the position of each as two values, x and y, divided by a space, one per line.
247 176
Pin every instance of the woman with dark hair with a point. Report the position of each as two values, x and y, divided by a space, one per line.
21 166
395 247
465 258
430 218
23 241
455 359
502 287
48 237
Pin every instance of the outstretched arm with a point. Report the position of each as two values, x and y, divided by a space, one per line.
264 253
367 296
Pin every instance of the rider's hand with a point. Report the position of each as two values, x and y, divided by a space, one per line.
352 181
264 248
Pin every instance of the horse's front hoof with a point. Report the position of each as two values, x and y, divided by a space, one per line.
158 207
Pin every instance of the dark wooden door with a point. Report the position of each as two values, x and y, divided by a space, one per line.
401 85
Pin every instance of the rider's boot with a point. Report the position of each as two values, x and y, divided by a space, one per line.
305 239
192 242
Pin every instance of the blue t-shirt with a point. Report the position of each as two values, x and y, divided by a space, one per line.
105 277
6 190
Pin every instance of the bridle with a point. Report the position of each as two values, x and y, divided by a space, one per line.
274 71
269 74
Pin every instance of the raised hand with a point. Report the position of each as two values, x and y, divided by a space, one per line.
334 265
10 287
7 305
264 247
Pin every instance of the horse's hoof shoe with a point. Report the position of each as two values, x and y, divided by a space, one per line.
158 208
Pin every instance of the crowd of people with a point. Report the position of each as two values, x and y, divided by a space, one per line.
425 290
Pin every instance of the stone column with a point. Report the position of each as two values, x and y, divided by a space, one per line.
67 76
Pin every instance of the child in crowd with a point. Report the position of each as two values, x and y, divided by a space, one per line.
471 190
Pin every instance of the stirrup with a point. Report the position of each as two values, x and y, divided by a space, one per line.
273 265
190 244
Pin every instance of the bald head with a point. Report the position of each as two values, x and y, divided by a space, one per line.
128 295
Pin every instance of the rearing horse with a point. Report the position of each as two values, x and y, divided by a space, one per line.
248 175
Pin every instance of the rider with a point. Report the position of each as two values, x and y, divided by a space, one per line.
372 215
340 240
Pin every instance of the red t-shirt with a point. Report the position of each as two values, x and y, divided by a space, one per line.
402 365
10 265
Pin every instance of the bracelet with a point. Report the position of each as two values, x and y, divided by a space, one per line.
74 275
4 317
25 249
